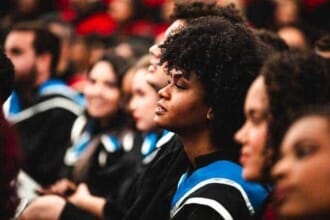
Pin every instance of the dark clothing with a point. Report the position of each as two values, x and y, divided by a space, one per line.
151 196
215 189
43 128
43 139
97 156
71 211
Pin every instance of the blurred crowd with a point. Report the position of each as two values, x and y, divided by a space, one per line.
165 109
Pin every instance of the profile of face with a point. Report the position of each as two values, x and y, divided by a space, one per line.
19 49
302 174
79 55
102 91
156 74
182 107
252 135
143 102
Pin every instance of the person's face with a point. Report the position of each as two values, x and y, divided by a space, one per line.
302 175
102 92
143 102
182 106
79 56
156 77
121 10
286 11
19 49
252 135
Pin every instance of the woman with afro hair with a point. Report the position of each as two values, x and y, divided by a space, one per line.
210 64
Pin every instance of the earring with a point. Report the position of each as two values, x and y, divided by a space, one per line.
210 115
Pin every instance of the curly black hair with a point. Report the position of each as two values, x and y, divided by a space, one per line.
294 81
272 39
224 56
191 10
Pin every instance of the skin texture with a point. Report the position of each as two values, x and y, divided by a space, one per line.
302 174
143 102
252 135
102 91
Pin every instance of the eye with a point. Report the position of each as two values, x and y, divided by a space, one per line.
16 51
111 84
258 117
91 81
303 150
177 85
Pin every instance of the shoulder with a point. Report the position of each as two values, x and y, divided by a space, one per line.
225 200
197 212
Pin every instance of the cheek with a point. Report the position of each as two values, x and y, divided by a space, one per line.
258 139
312 183
23 65
112 97
88 89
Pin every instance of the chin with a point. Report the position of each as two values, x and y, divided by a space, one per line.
251 175
161 125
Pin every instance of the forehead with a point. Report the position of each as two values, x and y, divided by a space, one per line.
309 127
140 77
20 38
104 69
257 94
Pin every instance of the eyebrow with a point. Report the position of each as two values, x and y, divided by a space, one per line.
15 49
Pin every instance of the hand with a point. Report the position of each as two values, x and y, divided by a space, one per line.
80 195
63 187
85 200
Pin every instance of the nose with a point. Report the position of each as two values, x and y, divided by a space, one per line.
240 135
280 169
132 105
164 93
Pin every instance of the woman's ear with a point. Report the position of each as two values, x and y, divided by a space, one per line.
209 114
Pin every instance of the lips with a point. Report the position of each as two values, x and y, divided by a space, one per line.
244 156
136 118
160 109
280 194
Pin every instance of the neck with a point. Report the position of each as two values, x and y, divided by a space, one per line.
42 78
197 143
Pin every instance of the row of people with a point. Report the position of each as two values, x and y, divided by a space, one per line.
202 103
